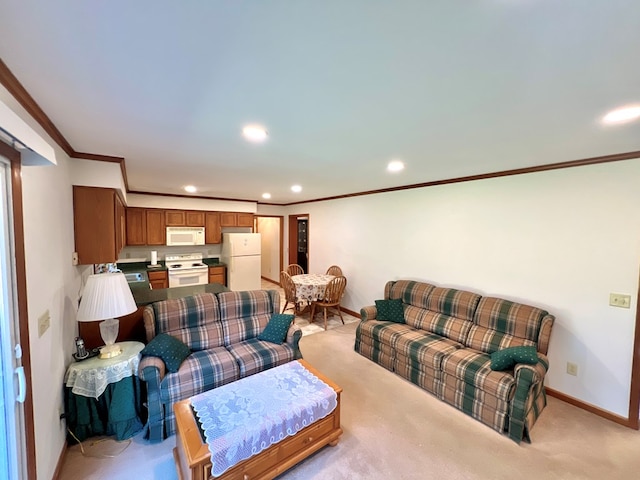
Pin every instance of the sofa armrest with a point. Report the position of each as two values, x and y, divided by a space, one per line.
294 334
152 371
153 366
538 371
368 313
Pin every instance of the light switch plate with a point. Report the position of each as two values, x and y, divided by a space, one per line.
620 300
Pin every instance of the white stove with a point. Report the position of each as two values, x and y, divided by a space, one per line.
186 269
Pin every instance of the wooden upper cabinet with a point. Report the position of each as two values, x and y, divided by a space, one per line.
212 231
121 224
236 219
156 227
174 218
194 218
99 223
136 226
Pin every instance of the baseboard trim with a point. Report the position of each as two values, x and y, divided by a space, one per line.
271 281
590 408
63 453
350 312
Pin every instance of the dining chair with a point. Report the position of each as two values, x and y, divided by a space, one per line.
289 293
332 296
334 270
294 269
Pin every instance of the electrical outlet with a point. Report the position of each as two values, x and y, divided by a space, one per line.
572 369
74 258
620 300
44 321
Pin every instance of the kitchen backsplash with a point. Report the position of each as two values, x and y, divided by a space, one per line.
143 254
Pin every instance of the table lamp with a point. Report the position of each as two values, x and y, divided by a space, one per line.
106 296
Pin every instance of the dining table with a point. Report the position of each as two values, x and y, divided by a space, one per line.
310 287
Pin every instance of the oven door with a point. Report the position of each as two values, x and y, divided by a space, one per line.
188 276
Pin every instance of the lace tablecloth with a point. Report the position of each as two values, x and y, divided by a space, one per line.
90 377
311 286
245 417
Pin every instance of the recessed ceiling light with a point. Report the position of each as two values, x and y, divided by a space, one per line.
395 166
254 133
190 189
296 188
622 115
266 195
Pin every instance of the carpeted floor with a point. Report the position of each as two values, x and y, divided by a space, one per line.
395 430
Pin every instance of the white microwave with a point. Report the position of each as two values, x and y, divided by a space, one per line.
185 236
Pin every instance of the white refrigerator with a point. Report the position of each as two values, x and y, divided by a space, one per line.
241 253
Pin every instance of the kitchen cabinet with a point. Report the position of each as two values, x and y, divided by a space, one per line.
158 279
236 219
136 226
218 275
99 224
184 218
212 231
156 227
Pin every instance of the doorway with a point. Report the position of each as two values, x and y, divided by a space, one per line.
271 230
299 240
17 443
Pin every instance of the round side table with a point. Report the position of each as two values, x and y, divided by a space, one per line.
102 396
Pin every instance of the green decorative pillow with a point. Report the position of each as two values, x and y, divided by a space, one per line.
277 328
171 350
509 357
390 310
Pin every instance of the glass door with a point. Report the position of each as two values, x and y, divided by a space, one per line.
12 378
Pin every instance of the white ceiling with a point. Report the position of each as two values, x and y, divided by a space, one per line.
453 88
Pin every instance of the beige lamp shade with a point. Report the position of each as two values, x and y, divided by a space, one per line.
106 295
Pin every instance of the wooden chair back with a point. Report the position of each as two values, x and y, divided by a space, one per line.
334 270
294 269
334 291
288 286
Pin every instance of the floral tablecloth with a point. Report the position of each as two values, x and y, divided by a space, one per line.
245 417
310 286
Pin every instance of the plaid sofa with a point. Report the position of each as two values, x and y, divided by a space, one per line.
445 347
221 330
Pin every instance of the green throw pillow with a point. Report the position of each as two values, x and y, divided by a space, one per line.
171 350
509 357
390 310
277 328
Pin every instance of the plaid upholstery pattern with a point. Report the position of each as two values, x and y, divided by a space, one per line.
410 292
154 362
474 368
201 371
253 355
425 349
246 314
480 405
445 345
368 350
193 320
445 325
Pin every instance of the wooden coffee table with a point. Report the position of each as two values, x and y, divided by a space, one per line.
193 459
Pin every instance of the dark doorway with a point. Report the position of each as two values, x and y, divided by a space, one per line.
299 240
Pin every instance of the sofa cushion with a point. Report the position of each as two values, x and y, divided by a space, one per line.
409 291
253 355
277 328
515 319
171 350
201 371
194 320
475 369
489 341
434 322
425 348
385 333
454 303
246 314
507 358
390 310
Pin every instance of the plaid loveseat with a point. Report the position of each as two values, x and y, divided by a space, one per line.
445 347
220 330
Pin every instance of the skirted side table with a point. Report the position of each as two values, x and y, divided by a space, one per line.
103 397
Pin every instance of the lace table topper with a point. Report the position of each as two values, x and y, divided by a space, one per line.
245 417
310 287
90 378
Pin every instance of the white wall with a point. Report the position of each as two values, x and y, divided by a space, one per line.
52 284
562 240
158 201
93 173
269 229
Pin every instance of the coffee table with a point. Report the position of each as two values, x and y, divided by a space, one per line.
193 458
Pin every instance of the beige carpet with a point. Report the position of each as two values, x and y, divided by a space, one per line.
394 430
